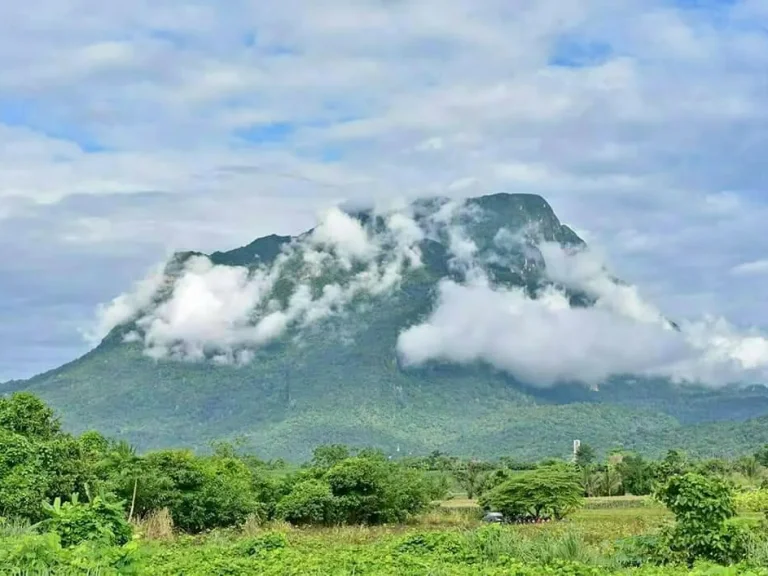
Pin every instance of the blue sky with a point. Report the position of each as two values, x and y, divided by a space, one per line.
150 127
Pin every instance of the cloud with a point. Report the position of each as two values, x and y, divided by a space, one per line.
224 313
546 340
640 115
124 307
750 268
218 312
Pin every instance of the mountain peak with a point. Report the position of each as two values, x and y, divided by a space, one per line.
467 326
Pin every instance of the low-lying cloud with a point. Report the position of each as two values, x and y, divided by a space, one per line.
544 341
208 311
223 312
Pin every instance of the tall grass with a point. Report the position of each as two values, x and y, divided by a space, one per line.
495 543
10 528
156 525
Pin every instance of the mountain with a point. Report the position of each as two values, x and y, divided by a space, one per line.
336 336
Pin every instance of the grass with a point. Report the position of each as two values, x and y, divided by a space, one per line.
444 541
447 540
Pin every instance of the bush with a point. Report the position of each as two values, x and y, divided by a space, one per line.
43 554
703 507
751 501
310 502
75 522
200 493
375 491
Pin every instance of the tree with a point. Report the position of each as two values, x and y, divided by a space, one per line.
329 455
762 456
470 478
673 464
636 475
373 491
23 480
585 455
749 466
702 506
550 492
310 502
610 481
26 414
590 480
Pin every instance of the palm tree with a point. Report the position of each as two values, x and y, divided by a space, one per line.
590 480
124 466
610 481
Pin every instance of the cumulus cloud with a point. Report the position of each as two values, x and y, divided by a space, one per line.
541 341
645 115
224 312
125 306
544 341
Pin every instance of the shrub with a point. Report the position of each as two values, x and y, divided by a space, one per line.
98 520
751 501
25 414
310 502
264 543
703 507
200 493
375 491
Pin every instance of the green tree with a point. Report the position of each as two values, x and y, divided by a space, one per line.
470 477
702 506
590 480
310 502
610 481
23 481
762 455
636 475
585 455
748 466
26 414
550 492
674 464
328 455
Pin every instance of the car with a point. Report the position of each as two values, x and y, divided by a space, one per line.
495 517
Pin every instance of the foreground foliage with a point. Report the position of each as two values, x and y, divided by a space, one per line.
78 504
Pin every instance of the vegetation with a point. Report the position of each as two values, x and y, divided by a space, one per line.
87 504
298 395
551 492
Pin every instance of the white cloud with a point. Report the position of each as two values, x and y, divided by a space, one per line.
222 312
247 111
545 341
343 234
126 306
541 341
750 268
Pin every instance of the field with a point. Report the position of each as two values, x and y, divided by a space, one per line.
450 540
90 505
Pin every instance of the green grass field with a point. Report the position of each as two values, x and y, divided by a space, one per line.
449 540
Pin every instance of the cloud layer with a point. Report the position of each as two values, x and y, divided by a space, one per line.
150 128
544 341
223 313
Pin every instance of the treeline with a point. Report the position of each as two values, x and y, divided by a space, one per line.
83 494
40 463
619 473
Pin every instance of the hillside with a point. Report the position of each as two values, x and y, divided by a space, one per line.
336 336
